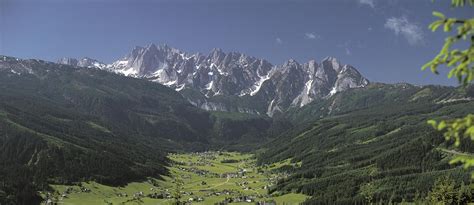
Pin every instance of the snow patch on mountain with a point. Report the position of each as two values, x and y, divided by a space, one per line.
259 84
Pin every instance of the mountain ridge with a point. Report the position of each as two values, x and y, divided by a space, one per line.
57 115
291 84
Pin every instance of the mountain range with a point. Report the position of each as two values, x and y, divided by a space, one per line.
61 124
90 121
267 88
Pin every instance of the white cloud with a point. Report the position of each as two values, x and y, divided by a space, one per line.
311 36
278 40
370 3
348 52
350 46
410 31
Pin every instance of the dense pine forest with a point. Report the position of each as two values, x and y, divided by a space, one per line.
375 138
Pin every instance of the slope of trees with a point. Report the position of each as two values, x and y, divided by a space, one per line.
384 147
60 124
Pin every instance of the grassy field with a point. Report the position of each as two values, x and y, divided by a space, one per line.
196 178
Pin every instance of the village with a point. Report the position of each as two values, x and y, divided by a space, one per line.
195 178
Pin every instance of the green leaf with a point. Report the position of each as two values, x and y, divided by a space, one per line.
441 125
433 26
470 132
438 14
451 73
432 123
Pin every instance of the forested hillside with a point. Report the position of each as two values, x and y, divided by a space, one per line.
60 124
374 139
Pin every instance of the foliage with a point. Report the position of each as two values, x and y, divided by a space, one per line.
458 129
68 125
462 63
368 191
16 186
374 135
178 182
445 191
238 131
461 60
189 183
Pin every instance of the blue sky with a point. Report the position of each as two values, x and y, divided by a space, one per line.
387 40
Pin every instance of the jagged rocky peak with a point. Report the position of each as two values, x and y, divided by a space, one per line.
216 54
302 84
150 61
90 63
289 66
83 62
237 74
331 62
68 61
348 78
311 67
290 62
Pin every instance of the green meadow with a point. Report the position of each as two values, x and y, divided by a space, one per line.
195 178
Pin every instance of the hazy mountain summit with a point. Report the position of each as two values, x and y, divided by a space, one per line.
84 62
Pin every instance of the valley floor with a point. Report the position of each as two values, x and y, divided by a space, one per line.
196 178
